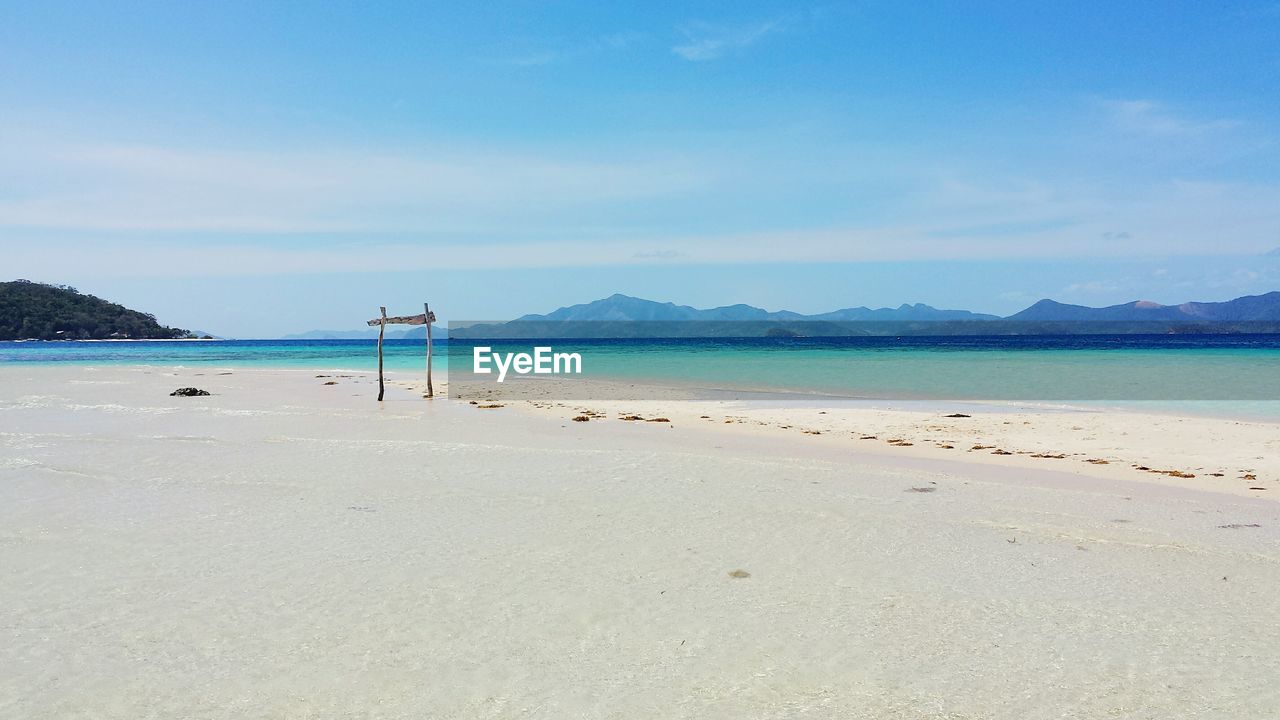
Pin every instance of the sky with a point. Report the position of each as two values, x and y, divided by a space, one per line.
259 168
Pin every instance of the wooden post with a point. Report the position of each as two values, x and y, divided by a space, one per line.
424 319
426 311
382 329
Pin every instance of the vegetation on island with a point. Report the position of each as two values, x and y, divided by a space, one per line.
36 311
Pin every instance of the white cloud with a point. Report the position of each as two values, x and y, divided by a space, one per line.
613 42
119 207
1153 118
1017 297
531 60
1172 226
705 41
72 185
1092 287
657 254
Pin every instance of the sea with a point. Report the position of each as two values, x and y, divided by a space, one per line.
1216 374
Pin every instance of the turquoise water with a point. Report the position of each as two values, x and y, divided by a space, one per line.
1229 372
297 354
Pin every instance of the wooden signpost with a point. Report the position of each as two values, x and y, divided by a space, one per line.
426 318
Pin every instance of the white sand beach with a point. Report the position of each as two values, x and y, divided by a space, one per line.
287 548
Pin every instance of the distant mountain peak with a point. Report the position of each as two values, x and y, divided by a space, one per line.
1250 308
619 307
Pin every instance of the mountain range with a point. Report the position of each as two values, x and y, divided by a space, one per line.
625 316
624 308
1251 308
38 311
1251 313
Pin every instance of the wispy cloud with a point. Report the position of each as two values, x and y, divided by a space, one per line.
612 42
536 205
531 60
96 187
657 254
1091 287
1172 224
1153 118
707 41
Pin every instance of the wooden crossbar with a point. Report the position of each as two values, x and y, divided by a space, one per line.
426 318
419 319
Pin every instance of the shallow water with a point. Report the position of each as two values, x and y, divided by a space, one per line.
1217 374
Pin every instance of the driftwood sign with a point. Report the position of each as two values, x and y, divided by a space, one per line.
426 318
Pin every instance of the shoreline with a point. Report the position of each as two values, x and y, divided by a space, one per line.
1148 446
1164 449
697 390
1237 456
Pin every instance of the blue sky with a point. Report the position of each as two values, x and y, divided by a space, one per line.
260 168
